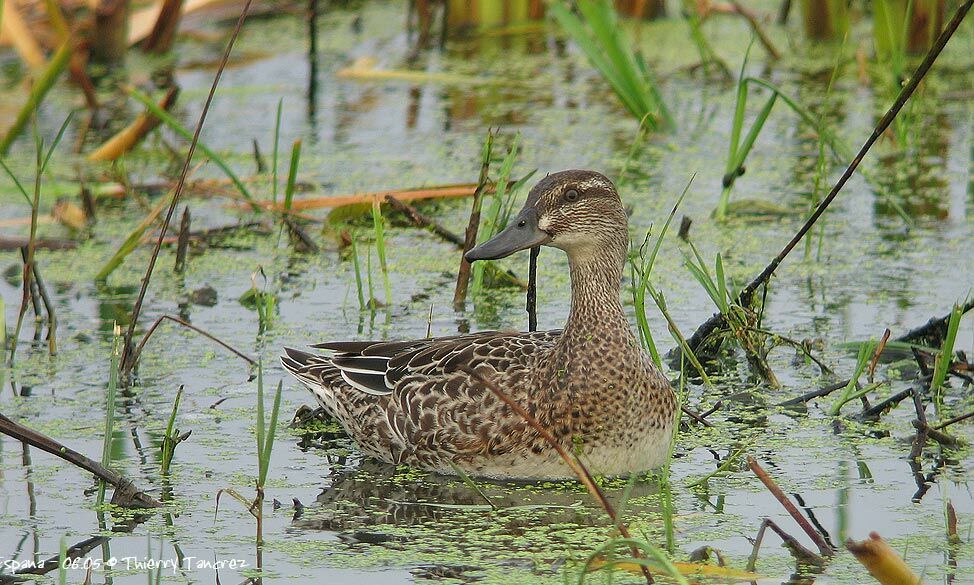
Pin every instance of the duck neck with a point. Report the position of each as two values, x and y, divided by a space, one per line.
596 281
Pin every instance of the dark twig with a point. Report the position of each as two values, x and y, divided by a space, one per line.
470 236
300 238
919 441
182 242
422 221
921 363
123 487
956 419
952 536
823 545
152 329
744 298
814 394
802 554
697 417
531 302
712 409
48 306
164 31
256 227
75 551
259 159
128 359
933 330
879 408
783 11
938 436
16 242
758 29
576 466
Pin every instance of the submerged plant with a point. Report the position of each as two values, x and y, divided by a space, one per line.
596 29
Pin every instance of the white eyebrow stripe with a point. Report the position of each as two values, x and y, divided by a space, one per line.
592 182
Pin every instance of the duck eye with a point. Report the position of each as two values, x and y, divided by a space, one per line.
571 195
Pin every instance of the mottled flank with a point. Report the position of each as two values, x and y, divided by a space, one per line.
590 385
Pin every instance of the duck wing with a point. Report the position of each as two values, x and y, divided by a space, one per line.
379 367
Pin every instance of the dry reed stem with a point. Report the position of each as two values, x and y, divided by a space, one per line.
473 225
155 325
445 191
422 221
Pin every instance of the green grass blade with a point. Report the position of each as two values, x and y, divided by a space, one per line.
946 354
755 129
57 140
701 276
265 455
168 440
261 422
721 285
611 52
358 273
277 145
669 220
737 124
17 182
378 223
292 175
110 395
866 351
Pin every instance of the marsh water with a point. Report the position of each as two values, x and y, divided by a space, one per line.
342 519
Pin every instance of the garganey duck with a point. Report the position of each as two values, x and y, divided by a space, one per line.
590 385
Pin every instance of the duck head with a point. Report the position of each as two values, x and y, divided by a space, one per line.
578 211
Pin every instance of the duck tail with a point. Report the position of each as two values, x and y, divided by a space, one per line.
308 369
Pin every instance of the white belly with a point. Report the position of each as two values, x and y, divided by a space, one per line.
651 451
